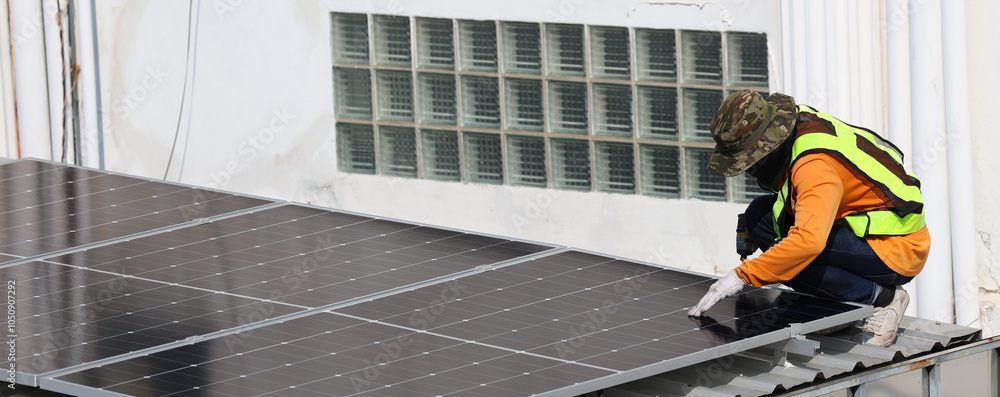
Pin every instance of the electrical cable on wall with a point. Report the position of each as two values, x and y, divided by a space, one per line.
189 62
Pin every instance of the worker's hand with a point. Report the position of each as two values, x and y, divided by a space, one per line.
727 286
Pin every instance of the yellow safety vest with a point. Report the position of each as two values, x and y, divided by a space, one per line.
871 157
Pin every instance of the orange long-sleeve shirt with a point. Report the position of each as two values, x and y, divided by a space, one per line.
824 190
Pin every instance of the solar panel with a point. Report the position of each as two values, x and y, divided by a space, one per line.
558 324
47 208
300 255
291 257
67 316
325 355
119 291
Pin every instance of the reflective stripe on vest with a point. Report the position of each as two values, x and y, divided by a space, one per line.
855 146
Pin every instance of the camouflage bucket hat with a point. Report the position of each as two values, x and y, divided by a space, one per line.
747 128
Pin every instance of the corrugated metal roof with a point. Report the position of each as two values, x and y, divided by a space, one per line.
754 373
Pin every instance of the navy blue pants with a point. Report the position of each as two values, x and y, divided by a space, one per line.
846 270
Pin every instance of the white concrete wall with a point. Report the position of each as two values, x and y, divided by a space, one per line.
257 114
984 86
261 121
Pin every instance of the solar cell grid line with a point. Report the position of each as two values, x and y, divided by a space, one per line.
327 354
49 208
67 316
302 256
16 168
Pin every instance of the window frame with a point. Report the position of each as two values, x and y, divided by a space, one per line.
546 78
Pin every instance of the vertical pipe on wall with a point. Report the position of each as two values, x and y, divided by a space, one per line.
961 197
858 41
818 93
840 80
787 77
8 142
929 156
92 137
871 56
31 90
800 86
54 67
897 34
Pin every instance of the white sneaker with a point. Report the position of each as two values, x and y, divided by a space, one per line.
880 329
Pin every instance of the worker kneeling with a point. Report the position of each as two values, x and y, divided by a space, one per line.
844 220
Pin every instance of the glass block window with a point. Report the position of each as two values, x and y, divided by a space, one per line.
615 167
395 95
440 155
355 86
568 107
392 40
397 148
609 53
437 98
478 41
524 105
656 54
356 148
435 43
570 164
482 158
703 105
526 161
549 105
660 171
748 59
522 48
480 102
701 183
657 109
613 109
702 57
564 50
350 34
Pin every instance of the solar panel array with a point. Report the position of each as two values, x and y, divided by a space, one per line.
252 297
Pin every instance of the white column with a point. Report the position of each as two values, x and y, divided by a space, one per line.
930 156
963 225
898 97
31 90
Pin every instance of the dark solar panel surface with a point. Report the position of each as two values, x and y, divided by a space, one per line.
301 255
532 327
330 355
68 316
593 310
46 207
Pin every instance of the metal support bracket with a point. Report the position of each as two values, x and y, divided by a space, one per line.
797 344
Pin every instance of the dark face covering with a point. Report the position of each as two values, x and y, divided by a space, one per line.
770 170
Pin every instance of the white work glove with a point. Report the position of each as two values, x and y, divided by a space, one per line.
727 286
